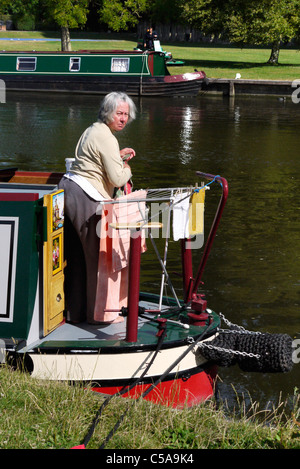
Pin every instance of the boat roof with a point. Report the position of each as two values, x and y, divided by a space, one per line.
80 51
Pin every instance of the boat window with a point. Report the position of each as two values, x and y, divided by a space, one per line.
26 64
74 64
119 65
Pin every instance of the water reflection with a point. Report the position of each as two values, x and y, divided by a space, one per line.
186 136
253 274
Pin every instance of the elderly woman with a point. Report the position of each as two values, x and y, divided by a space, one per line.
97 170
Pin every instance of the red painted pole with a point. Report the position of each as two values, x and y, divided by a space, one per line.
187 268
133 286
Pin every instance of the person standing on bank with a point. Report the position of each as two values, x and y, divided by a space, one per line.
97 170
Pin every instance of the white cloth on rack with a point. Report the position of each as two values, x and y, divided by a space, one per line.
181 216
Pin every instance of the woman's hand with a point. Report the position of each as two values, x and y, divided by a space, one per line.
127 153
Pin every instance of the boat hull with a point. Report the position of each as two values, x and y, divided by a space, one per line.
188 390
180 375
170 85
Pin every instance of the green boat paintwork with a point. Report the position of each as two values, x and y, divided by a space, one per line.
134 72
91 63
27 267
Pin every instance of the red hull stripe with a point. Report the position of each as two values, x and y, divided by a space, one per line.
18 197
174 393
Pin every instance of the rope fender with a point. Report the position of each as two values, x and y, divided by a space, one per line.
262 352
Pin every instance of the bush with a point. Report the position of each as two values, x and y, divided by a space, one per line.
25 22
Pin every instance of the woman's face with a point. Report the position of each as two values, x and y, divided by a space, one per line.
120 117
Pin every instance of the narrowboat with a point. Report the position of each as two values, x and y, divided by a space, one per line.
169 345
138 73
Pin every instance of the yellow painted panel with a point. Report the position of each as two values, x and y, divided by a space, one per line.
54 298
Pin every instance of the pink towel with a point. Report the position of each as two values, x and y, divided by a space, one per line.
112 288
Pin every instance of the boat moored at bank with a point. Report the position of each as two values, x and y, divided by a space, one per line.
137 73
169 346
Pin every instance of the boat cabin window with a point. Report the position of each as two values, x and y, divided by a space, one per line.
26 64
74 64
119 65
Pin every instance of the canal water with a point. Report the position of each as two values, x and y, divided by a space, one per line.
253 274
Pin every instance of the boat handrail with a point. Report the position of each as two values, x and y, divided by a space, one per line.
223 182
167 194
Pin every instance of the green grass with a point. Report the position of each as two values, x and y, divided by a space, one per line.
97 41
216 61
225 62
49 415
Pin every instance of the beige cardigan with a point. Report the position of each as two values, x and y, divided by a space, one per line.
97 158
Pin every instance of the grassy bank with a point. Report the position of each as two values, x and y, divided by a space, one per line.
251 63
46 415
216 61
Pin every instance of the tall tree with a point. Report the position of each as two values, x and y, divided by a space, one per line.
267 22
257 22
122 14
67 14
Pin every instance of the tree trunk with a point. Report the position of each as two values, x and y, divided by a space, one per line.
65 39
273 60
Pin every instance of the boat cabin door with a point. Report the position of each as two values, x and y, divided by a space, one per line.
53 268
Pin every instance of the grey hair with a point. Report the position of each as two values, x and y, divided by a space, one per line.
109 106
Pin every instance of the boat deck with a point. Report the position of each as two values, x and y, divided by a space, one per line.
84 333
107 337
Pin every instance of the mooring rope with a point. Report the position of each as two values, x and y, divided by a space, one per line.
147 391
124 390
153 385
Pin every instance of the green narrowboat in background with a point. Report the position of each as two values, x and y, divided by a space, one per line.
137 73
